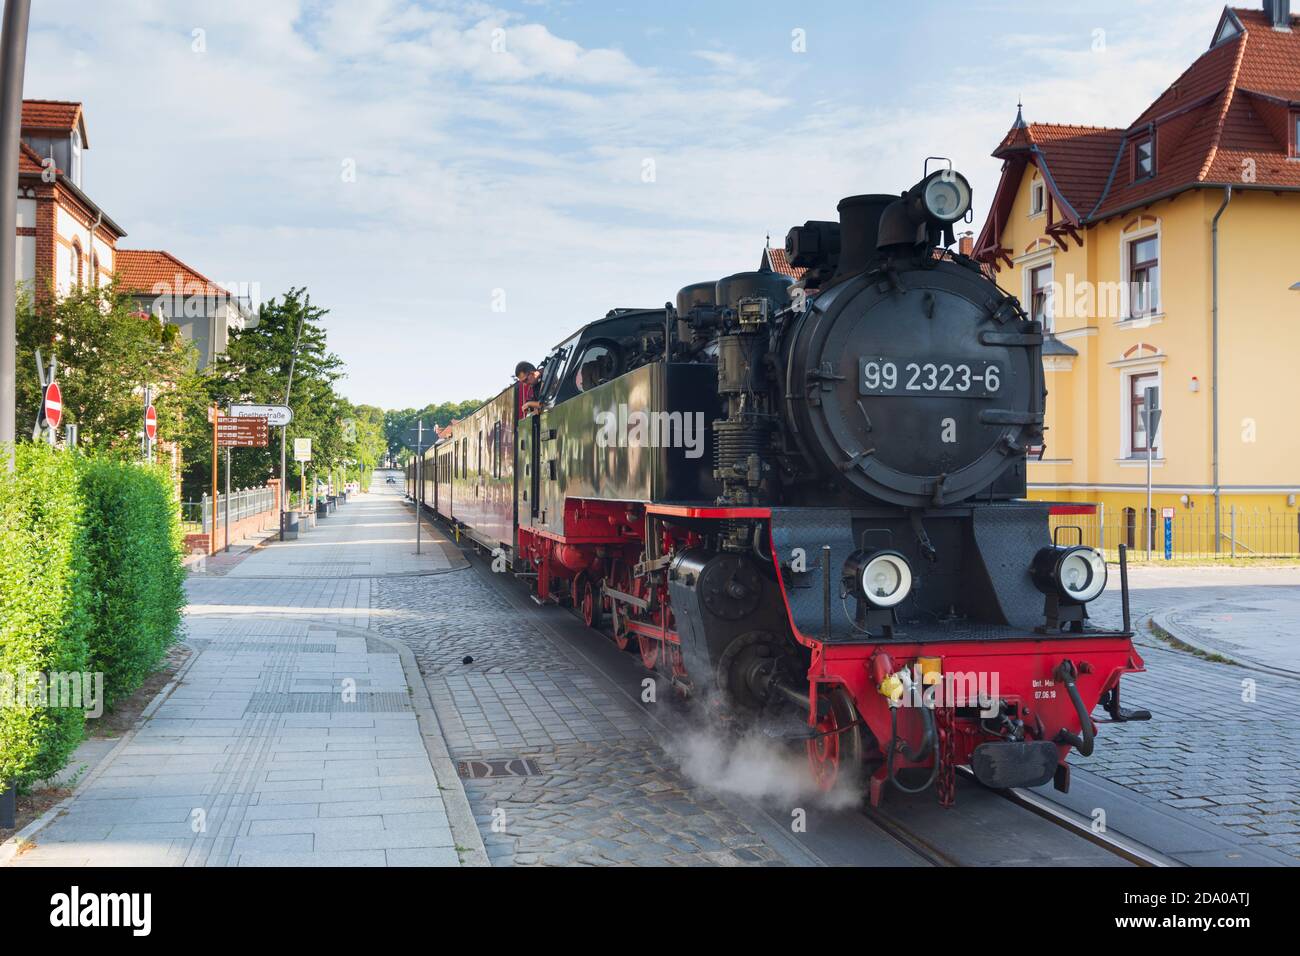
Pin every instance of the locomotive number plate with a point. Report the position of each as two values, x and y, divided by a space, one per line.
879 375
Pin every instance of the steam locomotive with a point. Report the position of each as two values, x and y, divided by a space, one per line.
804 503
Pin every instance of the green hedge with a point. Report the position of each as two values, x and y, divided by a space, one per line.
90 581
134 549
45 607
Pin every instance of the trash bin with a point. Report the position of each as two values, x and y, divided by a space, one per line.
289 526
333 503
322 508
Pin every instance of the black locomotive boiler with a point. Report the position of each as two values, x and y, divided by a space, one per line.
808 498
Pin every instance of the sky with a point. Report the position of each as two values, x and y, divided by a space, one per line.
462 185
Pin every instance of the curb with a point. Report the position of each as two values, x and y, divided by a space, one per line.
459 814
11 847
1161 625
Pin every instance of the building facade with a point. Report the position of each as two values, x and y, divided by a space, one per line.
1164 261
166 288
64 238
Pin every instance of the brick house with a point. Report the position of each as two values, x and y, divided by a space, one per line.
64 238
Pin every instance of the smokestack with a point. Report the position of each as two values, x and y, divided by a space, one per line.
859 226
1278 13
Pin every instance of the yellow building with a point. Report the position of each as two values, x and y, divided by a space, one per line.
1166 256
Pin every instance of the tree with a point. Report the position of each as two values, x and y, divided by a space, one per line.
399 426
255 369
107 352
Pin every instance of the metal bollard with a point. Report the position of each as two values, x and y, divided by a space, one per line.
9 805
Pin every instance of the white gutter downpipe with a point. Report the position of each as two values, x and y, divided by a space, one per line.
1214 356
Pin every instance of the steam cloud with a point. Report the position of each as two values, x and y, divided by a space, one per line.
762 768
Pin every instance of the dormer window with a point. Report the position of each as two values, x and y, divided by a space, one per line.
1144 158
1295 135
1037 198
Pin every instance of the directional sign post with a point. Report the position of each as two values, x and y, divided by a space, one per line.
277 416
302 455
242 432
1151 424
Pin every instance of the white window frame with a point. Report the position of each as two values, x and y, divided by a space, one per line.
1127 454
1028 268
1126 280
75 151
1037 198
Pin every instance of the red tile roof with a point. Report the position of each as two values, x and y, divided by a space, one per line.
155 272
1077 159
777 261
1231 110
53 115
29 161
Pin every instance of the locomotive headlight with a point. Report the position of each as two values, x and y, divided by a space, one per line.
1077 574
883 577
946 196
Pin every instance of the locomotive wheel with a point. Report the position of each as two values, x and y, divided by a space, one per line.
838 751
623 638
588 601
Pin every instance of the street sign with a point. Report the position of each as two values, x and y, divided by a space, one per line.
275 415
53 404
151 422
241 432
302 449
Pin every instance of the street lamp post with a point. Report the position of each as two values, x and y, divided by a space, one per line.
284 429
13 60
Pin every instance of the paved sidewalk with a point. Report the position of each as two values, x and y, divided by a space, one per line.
292 736
1250 616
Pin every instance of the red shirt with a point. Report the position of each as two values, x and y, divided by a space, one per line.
524 395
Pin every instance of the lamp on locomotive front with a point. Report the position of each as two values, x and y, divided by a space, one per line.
1070 577
925 213
880 579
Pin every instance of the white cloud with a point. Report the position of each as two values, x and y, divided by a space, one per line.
520 169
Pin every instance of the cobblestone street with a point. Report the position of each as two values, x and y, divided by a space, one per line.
1223 744
603 790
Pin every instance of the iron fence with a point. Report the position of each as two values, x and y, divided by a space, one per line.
197 515
1241 532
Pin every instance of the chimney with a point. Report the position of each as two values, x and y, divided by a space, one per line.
966 243
1278 13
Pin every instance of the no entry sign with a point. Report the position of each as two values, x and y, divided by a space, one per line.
53 404
151 422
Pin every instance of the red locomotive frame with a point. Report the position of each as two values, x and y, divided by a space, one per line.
844 677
